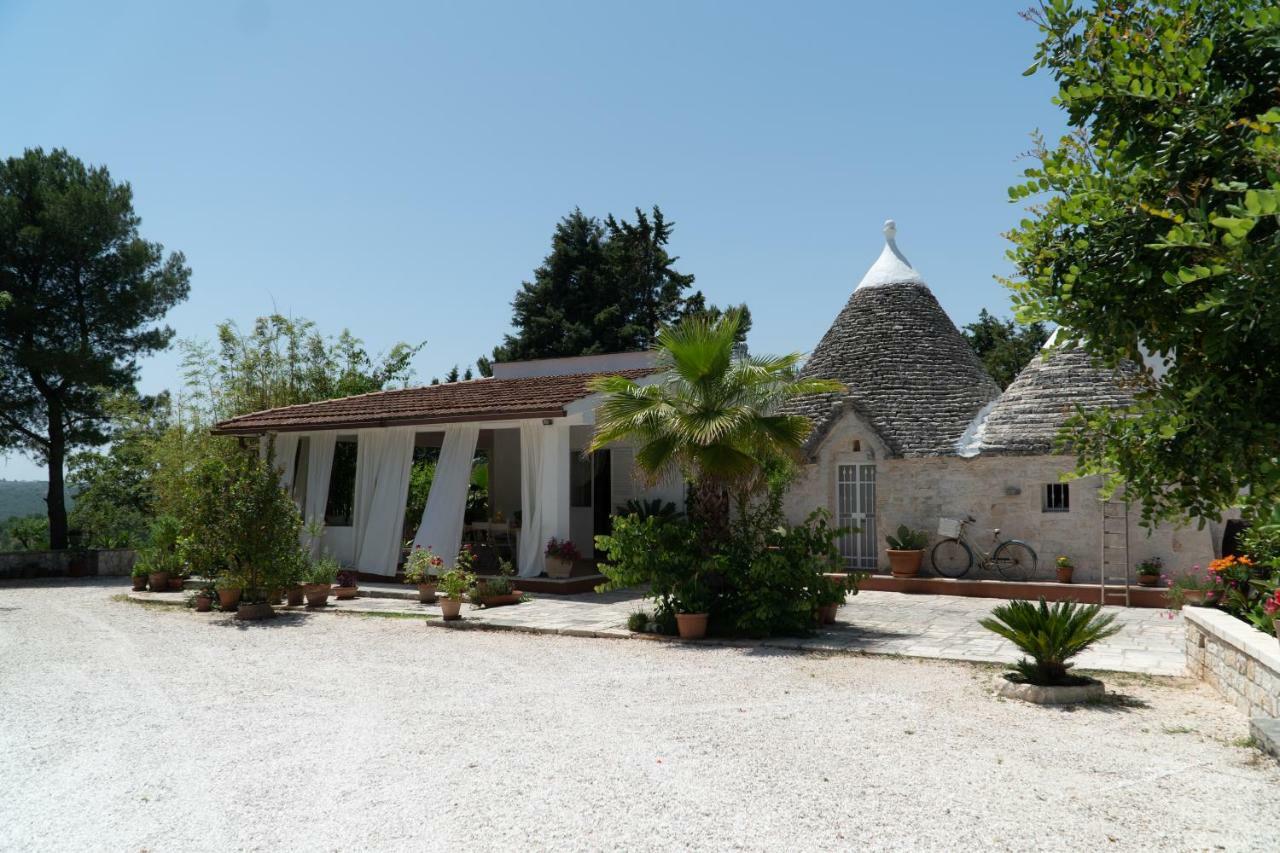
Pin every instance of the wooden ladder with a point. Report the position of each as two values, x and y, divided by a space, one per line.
1114 567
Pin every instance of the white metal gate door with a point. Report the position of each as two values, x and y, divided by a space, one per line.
856 509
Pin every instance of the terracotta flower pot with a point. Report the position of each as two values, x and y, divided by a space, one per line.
229 598
692 626
317 594
558 567
159 581
827 613
451 609
295 596
905 564
1194 596
139 583
427 593
203 604
175 584
254 612
344 593
1149 580
1064 573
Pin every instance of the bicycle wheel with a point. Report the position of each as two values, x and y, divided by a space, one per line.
1014 560
951 558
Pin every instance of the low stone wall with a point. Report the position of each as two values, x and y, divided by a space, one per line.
66 564
1240 662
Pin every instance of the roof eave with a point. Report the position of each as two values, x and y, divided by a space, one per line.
230 428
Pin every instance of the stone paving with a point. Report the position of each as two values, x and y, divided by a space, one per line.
926 626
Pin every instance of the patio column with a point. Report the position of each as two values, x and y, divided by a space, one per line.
441 527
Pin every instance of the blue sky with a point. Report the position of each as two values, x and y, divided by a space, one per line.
396 168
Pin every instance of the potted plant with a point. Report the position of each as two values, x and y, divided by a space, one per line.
692 605
497 592
1190 588
1050 636
1064 567
829 595
423 568
255 604
560 554
346 587
139 575
230 587
204 597
906 551
157 570
1148 571
318 579
454 584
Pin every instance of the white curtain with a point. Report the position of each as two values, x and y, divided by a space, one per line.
383 460
319 467
530 558
286 450
441 527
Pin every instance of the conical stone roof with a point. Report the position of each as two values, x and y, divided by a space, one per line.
1030 414
910 374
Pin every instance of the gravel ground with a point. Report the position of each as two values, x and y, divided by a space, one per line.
126 727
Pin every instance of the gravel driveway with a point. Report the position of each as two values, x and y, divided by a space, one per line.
127 727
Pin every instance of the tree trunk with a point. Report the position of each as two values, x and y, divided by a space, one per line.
709 509
56 496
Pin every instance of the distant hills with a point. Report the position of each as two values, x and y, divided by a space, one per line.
22 497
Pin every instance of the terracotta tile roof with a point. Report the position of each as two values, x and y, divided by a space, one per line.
474 400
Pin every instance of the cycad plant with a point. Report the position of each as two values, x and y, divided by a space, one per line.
713 417
1051 636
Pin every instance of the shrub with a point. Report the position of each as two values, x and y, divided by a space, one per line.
1051 636
237 522
764 580
348 578
908 539
638 622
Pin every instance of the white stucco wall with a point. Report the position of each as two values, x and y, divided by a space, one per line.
998 491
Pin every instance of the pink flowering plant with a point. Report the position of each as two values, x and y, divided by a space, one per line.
562 548
1195 586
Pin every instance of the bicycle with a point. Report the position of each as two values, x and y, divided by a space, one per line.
953 557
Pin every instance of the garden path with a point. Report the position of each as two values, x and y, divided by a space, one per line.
925 626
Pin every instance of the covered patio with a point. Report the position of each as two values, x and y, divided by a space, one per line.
522 435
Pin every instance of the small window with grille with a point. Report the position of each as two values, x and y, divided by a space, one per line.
1057 497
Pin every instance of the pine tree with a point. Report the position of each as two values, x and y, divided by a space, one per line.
604 287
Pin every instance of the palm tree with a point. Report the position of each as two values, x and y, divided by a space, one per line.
712 417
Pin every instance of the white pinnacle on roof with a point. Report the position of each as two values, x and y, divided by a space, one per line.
891 267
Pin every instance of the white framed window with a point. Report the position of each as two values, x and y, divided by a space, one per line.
1056 497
